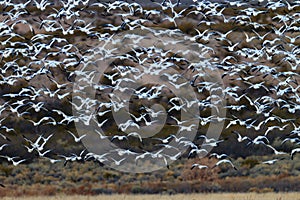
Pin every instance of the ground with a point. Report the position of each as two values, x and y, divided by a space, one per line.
223 196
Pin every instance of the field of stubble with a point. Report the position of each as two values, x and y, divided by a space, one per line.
223 196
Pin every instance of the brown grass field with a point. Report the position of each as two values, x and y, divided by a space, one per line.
223 196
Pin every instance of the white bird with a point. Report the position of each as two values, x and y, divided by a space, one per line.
43 4
292 140
249 39
7 129
224 161
2 146
59 86
100 158
37 107
122 152
199 166
293 39
76 139
66 118
188 143
128 123
165 140
29 150
141 156
117 162
261 38
270 162
172 77
149 123
271 128
103 113
197 151
275 151
102 137
232 47
218 156
36 144
178 121
178 86
236 122
135 134
50 120
291 7
294 151
240 138
153 113
212 144
206 139
174 157
68 158
100 124
167 146
138 119
4 137
224 36
119 137
186 128
42 154
11 159
16 163
15 110
259 140
52 161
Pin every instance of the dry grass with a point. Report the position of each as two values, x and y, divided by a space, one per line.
223 196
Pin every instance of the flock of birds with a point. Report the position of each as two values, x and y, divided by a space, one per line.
258 58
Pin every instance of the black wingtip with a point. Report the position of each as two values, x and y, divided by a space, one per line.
65 163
